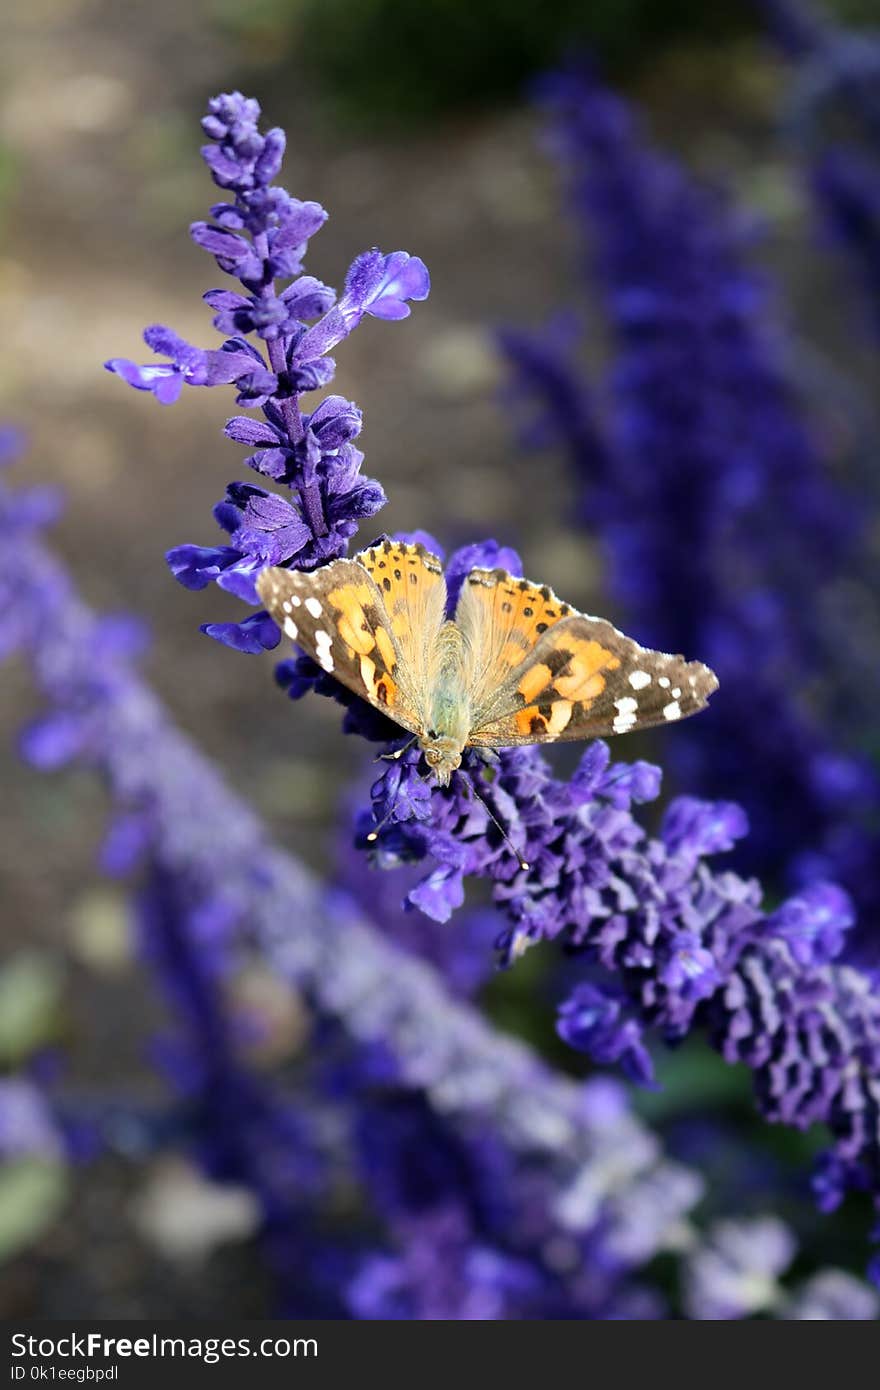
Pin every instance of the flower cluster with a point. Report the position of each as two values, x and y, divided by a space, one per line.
673 945
276 353
724 532
677 946
527 1166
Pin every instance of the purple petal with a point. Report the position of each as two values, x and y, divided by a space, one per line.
240 579
307 297
224 245
380 285
258 633
165 382
301 221
244 430
439 893
197 566
226 300
269 162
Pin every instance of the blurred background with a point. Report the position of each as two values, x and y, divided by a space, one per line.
412 125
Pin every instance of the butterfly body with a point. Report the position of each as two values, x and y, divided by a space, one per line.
445 735
514 665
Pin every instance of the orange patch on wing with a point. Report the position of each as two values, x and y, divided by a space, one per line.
353 635
386 648
533 681
588 659
384 691
529 722
593 687
512 653
348 601
400 623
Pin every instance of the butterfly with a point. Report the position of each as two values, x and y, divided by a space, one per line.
515 664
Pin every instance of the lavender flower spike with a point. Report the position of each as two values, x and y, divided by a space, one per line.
704 480
279 327
680 945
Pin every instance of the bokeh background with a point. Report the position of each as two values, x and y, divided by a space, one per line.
411 124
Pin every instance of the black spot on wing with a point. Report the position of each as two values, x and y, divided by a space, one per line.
557 661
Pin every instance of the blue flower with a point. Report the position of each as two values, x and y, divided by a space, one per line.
381 285
260 238
595 1022
720 520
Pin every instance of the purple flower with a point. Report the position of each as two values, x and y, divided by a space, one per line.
690 970
260 238
833 114
735 1273
709 489
832 1295
594 1022
525 1202
27 1126
680 946
814 923
381 285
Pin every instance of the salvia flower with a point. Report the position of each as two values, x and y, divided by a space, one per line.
833 117
723 529
735 1273
541 1159
672 945
28 1129
277 337
679 945
832 1295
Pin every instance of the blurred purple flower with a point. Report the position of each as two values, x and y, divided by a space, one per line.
513 1161
735 1272
833 114
721 524
28 1128
832 1295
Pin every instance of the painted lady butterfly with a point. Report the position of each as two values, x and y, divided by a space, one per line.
515 665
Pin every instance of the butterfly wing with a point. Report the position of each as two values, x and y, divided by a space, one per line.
501 618
374 640
413 589
337 615
576 676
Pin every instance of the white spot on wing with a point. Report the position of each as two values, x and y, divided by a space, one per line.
286 605
672 711
296 600
314 608
639 679
323 643
291 629
676 693
665 682
626 708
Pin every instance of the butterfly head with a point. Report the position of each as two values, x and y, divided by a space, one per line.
442 754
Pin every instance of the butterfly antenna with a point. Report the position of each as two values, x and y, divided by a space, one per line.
523 863
396 755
